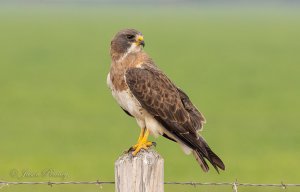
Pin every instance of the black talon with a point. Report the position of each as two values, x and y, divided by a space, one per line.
130 149
154 144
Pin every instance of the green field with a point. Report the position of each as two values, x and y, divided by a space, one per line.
240 67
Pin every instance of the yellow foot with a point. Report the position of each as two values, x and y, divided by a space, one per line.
142 143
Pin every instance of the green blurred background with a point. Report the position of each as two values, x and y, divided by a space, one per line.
240 65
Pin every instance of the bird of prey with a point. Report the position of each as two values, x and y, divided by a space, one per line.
160 108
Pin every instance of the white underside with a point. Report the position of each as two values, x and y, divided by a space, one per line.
128 102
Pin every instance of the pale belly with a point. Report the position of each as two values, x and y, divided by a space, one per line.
129 103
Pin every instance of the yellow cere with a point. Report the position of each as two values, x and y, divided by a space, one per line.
140 38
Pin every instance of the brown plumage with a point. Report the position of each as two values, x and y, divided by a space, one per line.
146 93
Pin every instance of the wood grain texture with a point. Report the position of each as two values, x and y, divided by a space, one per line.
142 173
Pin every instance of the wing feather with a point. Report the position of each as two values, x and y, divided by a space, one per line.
172 108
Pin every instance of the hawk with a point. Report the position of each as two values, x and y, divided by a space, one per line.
160 108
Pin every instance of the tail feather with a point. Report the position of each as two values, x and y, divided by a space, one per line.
201 161
204 151
215 160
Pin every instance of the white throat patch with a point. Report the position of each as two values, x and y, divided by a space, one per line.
134 48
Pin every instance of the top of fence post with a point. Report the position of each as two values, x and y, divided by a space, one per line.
141 173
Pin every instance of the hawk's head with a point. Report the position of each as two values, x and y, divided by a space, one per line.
126 41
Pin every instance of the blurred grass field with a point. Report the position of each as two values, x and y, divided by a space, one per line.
240 67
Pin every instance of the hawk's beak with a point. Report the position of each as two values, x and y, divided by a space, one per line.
140 40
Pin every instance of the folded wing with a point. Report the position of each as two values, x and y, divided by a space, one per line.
172 108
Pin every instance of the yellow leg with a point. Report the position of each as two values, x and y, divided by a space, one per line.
143 142
140 137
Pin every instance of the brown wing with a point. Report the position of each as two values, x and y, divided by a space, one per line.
196 117
162 99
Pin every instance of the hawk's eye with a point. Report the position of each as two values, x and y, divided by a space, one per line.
130 37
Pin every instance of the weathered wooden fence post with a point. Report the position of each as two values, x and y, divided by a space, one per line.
142 173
